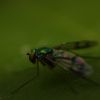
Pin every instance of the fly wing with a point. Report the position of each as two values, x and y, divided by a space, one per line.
65 60
85 69
76 45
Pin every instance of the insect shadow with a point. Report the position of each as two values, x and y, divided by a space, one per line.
60 79
67 82
49 80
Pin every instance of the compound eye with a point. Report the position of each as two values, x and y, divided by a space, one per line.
32 58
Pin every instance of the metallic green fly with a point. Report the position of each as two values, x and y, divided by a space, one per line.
62 56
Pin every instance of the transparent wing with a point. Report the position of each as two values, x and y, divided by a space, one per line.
88 71
76 45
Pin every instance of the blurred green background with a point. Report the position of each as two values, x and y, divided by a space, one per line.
35 23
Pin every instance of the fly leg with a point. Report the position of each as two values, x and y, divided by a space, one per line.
38 70
16 90
84 77
63 69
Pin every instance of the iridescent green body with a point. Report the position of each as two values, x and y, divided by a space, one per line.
73 61
61 56
41 52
